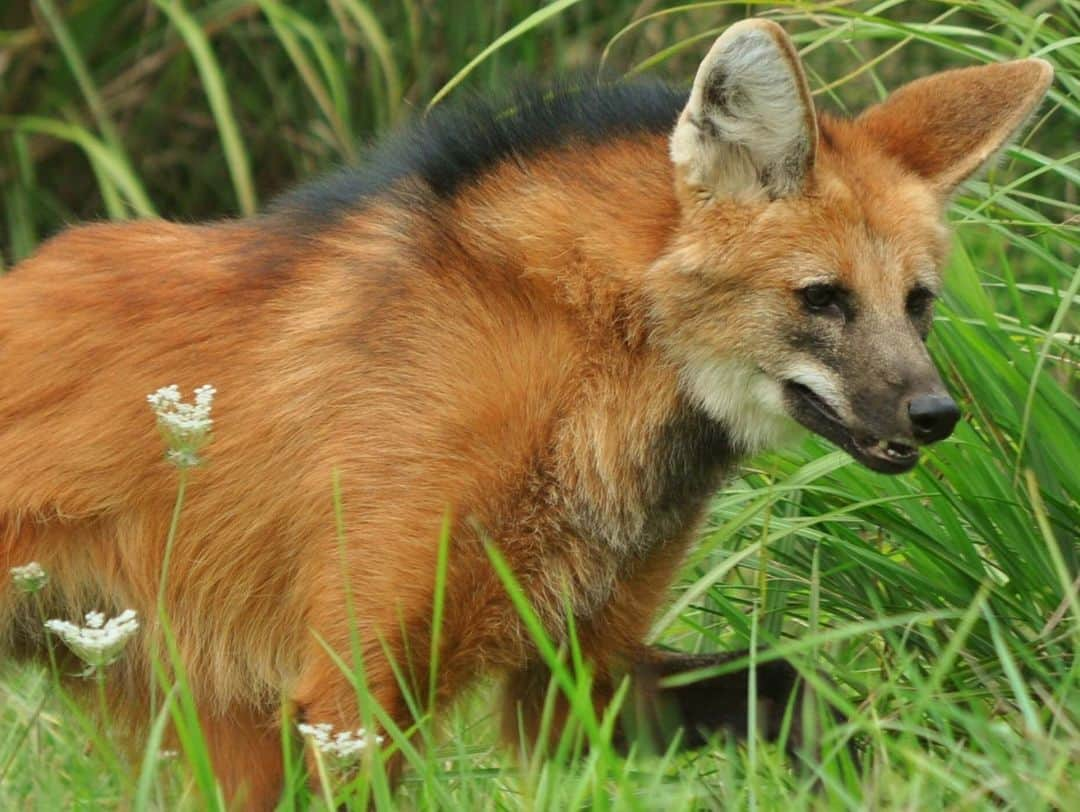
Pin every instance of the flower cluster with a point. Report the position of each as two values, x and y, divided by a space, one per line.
341 750
185 426
100 641
30 577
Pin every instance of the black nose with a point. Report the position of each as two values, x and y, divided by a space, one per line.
933 417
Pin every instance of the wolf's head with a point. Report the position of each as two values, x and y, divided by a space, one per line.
802 279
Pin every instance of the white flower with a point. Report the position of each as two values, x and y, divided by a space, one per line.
182 457
29 577
185 426
341 750
100 641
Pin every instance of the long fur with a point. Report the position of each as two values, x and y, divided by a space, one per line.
545 336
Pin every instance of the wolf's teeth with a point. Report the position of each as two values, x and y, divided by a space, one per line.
883 445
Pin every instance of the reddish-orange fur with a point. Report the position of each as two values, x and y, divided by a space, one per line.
501 383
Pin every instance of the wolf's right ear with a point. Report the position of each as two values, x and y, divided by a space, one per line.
749 127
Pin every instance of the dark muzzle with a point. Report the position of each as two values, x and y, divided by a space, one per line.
933 417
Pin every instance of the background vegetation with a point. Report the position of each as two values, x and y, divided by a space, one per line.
943 604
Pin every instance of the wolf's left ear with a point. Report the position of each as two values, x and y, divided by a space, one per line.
946 126
749 126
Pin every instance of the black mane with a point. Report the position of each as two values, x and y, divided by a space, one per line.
457 143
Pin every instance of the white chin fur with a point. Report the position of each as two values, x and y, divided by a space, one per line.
747 402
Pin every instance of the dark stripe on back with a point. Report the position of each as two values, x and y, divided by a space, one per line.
458 143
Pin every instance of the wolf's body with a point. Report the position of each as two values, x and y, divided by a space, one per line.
562 340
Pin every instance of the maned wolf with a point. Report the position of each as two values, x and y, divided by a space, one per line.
560 322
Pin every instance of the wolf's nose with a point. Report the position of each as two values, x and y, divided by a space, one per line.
933 417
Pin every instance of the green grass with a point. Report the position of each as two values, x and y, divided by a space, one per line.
943 604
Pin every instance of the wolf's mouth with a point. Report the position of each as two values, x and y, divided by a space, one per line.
878 454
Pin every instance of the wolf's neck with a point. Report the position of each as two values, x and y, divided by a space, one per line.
691 455
585 225
641 460
587 219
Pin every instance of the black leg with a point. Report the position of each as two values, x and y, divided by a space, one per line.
654 714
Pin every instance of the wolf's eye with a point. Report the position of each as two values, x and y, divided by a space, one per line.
822 297
919 301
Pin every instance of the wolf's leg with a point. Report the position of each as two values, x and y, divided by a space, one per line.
245 750
525 695
328 694
654 713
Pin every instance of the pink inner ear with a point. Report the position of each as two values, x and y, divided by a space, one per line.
946 126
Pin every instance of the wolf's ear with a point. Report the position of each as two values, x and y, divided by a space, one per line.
945 127
749 127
